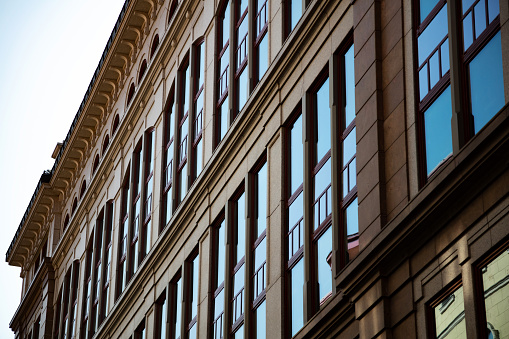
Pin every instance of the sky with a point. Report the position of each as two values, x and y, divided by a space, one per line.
49 51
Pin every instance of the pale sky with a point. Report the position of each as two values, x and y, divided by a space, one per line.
49 50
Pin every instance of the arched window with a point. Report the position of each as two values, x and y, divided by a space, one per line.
83 188
171 11
116 121
106 143
130 94
143 68
66 221
74 205
155 44
96 163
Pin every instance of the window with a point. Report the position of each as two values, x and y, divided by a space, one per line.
478 70
83 188
192 269
259 181
295 235
218 275
116 121
261 42
56 319
106 143
139 333
108 242
237 233
183 91
148 160
66 221
130 94
171 9
198 95
65 309
123 236
161 317
167 172
134 223
96 273
447 314
155 44
143 69
175 302
241 56
87 289
493 287
73 301
293 12
96 163
74 205
223 64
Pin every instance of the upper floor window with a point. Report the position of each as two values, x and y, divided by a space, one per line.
87 289
192 268
74 205
106 143
167 163
135 213
130 94
241 56
198 100
184 97
95 164
116 122
155 44
218 276
171 9
448 314
292 12
479 66
83 188
223 65
143 69
161 317
148 183
123 238
261 39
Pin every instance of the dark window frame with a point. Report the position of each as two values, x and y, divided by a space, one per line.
167 168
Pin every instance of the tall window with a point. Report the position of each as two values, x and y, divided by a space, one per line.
123 236
167 172
87 289
293 11
241 38
175 302
479 67
238 252
198 95
135 211
96 274
448 314
219 247
295 236
148 161
56 319
108 242
192 269
261 42
139 333
259 248
223 64
64 320
161 317
73 310
183 92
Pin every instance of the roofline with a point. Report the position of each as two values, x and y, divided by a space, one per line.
47 174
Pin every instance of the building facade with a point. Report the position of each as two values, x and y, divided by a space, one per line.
278 169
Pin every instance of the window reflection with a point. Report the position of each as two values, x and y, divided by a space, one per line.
450 316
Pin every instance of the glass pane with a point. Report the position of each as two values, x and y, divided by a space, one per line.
220 255
324 249
322 179
349 146
196 279
297 154
178 308
426 6
241 229
432 35
243 89
352 170
260 254
466 4
352 218
349 87
423 82
434 70
192 332
297 296
296 12
449 318
493 9
444 50
240 333
468 34
295 212
261 215
226 23
263 56
224 118
480 18
486 81
496 291
261 321
323 138
437 124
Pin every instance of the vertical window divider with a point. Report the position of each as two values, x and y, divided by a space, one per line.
459 124
307 215
338 259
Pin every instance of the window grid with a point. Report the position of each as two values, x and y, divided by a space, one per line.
146 231
167 173
219 248
198 101
123 238
223 65
135 212
182 131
